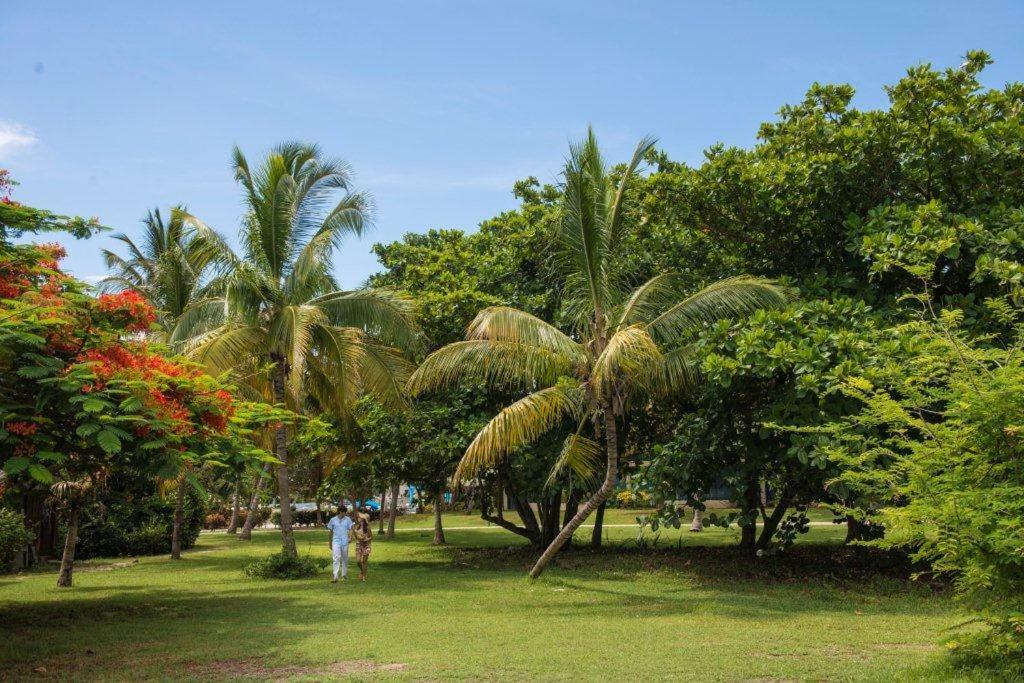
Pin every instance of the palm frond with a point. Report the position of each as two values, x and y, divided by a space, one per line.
521 423
291 335
501 365
582 457
679 374
385 314
615 212
631 358
652 298
228 346
735 296
506 324
583 232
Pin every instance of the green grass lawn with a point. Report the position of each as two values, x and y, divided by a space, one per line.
694 608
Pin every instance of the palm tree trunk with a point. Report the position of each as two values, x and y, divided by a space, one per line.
283 478
438 530
600 496
393 512
179 514
236 503
595 535
254 501
67 561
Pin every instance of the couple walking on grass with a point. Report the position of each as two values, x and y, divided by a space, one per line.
343 527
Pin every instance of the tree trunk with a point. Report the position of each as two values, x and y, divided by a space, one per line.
772 522
179 514
552 508
319 484
438 530
380 513
572 506
751 504
698 515
392 512
254 501
599 497
236 504
283 479
67 561
698 520
595 535
854 529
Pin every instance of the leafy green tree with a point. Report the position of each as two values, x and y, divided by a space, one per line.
616 360
279 306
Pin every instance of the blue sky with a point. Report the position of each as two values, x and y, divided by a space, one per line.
108 109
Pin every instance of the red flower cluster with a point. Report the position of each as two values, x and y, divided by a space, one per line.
173 397
42 270
22 428
128 308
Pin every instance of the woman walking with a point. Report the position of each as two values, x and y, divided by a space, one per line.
364 537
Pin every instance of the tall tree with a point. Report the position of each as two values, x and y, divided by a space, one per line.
626 346
279 307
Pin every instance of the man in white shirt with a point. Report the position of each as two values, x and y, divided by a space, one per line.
339 528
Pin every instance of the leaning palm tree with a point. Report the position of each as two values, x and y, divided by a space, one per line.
625 349
168 266
278 308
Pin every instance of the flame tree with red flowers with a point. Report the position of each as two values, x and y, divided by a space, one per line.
81 397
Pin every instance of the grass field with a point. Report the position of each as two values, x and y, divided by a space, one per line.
693 608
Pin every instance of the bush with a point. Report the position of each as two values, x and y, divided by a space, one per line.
262 515
283 566
996 652
13 536
215 520
300 517
629 499
124 525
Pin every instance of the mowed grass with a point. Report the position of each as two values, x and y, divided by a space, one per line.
692 609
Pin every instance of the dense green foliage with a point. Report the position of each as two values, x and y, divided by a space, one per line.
131 517
13 536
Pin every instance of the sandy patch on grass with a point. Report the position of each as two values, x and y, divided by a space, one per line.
256 668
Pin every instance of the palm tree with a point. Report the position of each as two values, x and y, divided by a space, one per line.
280 309
626 347
168 268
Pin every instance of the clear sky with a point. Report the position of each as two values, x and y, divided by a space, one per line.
108 109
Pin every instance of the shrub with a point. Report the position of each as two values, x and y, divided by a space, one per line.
629 499
262 515
215 520
137 524
283 566
300 517
13 536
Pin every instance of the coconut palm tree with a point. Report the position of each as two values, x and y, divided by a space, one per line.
168 267
626 347
279 308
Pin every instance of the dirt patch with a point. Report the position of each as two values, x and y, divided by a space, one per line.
106 567
258 669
